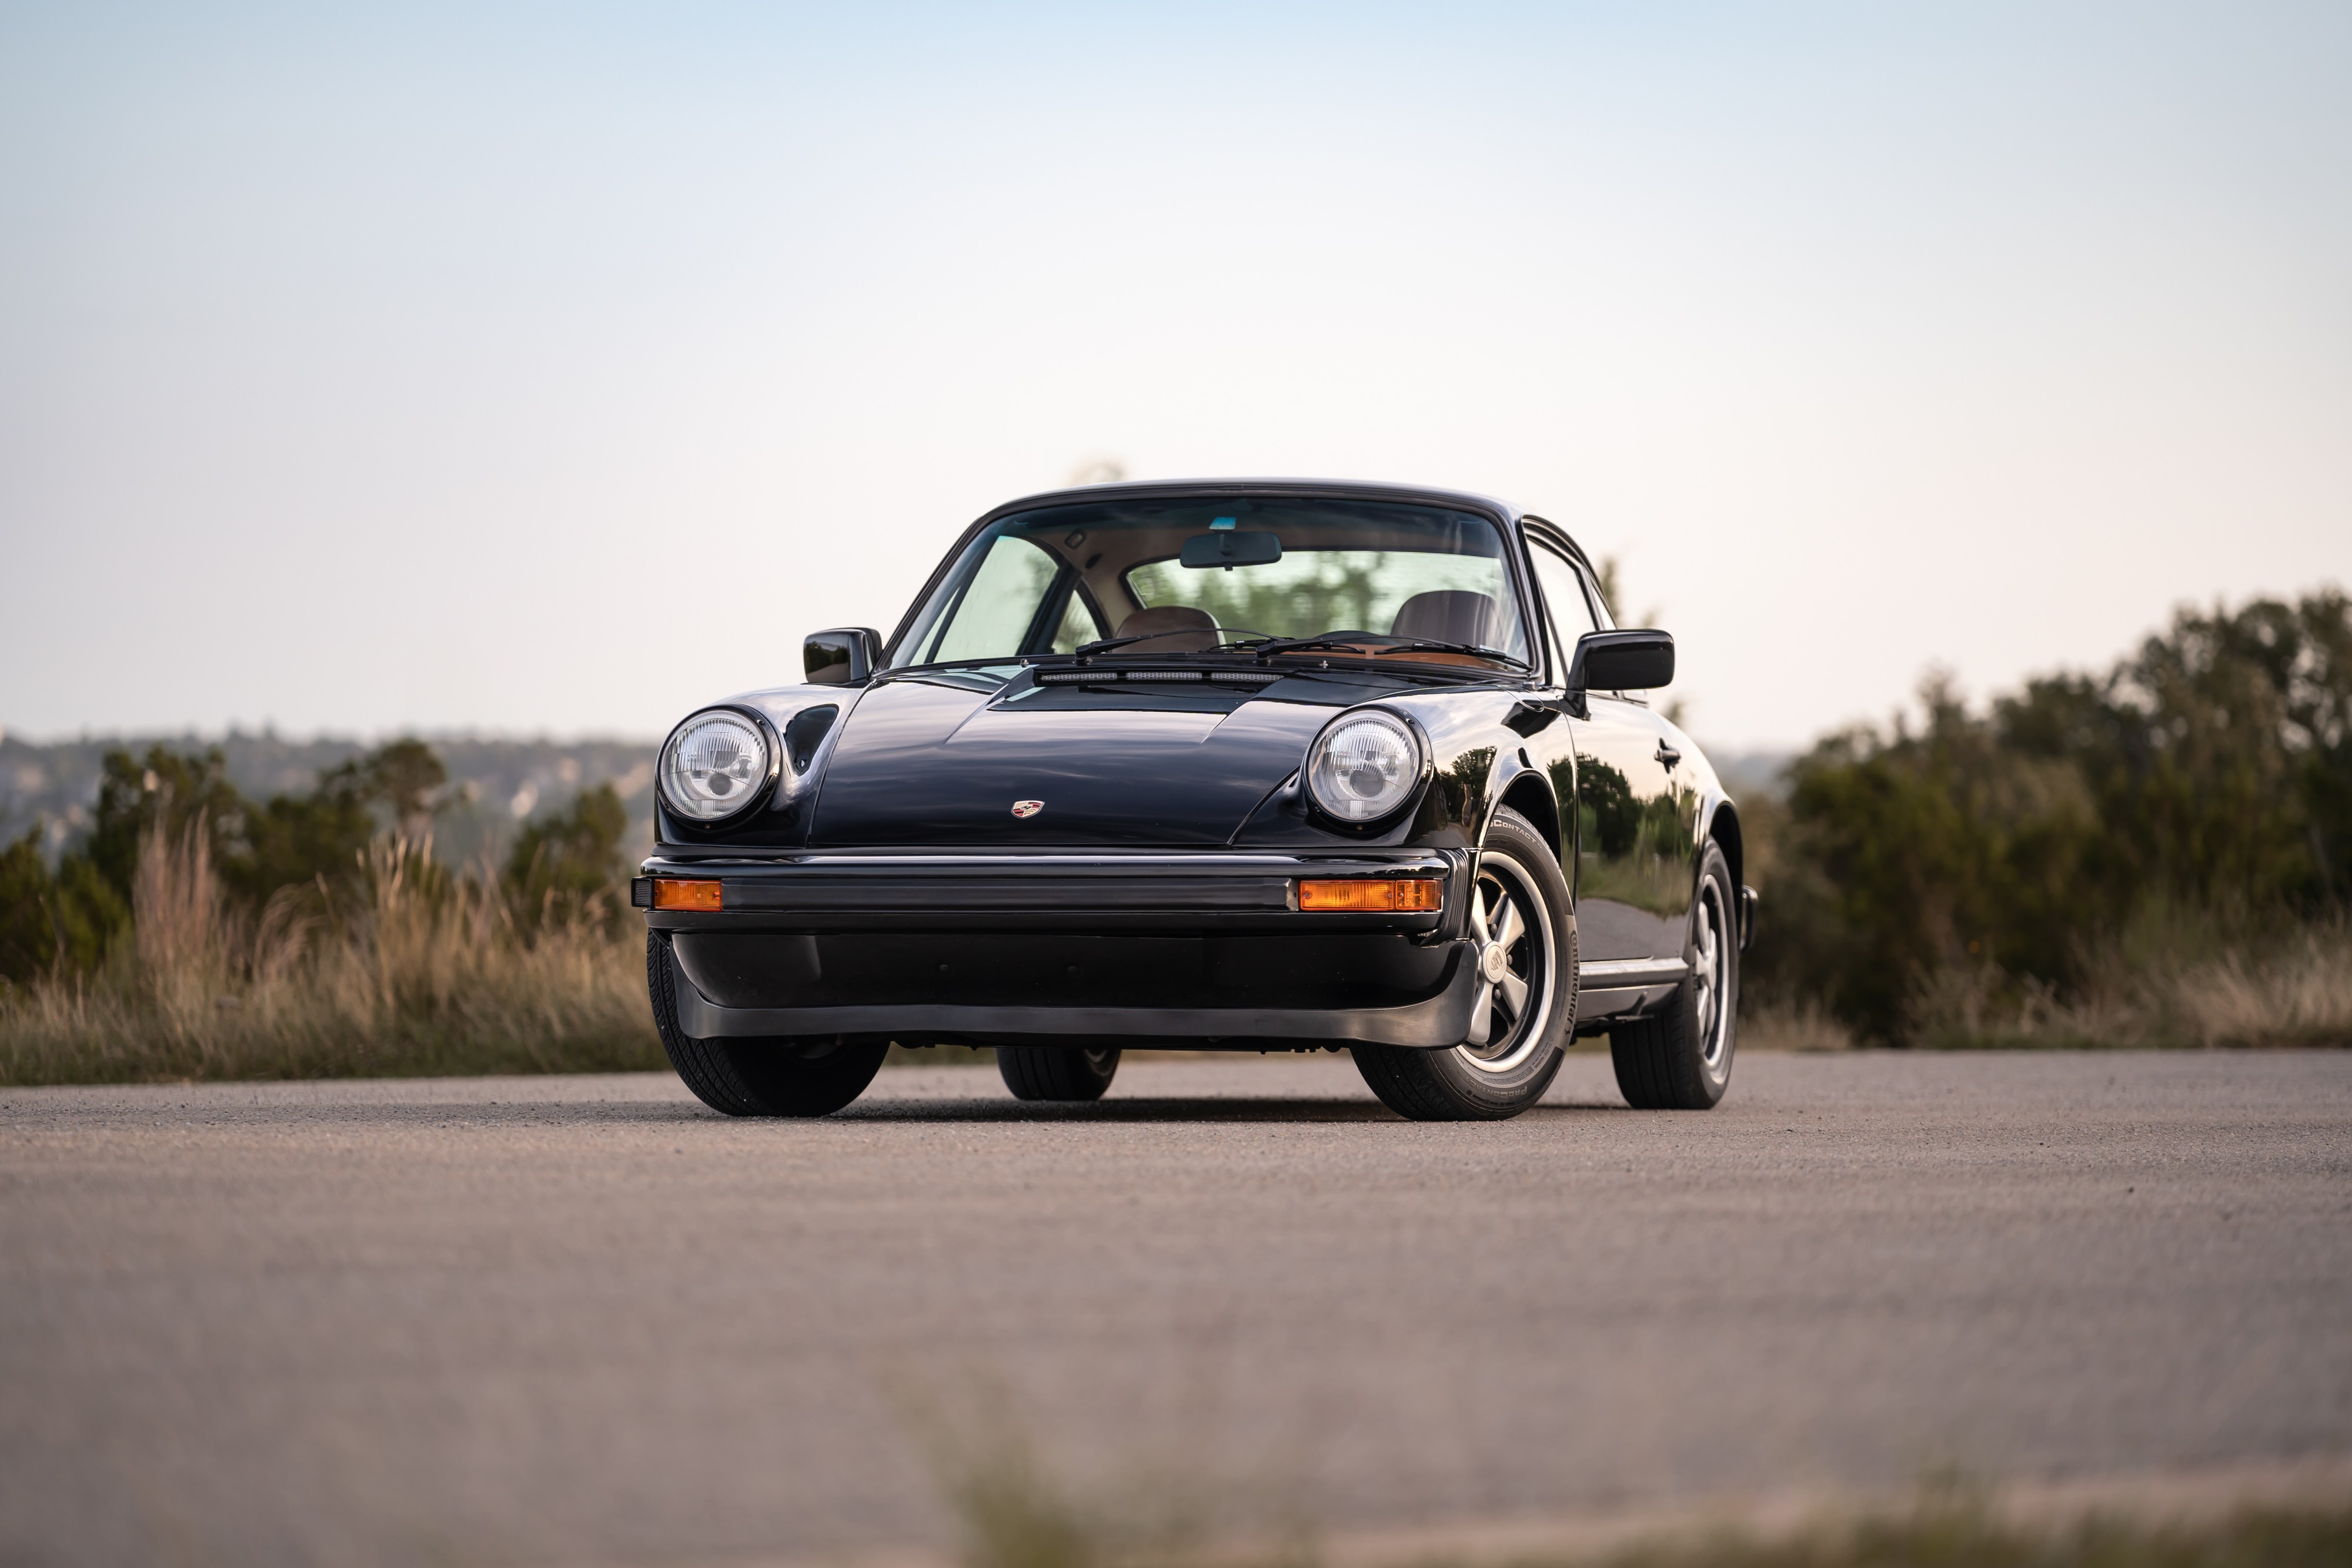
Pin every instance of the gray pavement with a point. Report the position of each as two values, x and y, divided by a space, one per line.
581 1320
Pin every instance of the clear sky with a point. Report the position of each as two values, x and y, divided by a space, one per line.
554 368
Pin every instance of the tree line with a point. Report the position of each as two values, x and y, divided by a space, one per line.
2197 792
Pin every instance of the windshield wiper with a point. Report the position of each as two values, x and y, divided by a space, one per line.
1419 646
1298 646
1302 645
1219 646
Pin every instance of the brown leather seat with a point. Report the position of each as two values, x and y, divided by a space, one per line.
1447 615
1172 628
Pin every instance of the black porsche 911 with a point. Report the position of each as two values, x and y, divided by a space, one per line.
1226 766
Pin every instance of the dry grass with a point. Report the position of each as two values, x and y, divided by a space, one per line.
426 971
1774 1024
2180 986
2299 992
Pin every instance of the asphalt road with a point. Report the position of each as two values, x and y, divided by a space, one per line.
583 1319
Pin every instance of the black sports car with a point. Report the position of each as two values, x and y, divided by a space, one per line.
1229 766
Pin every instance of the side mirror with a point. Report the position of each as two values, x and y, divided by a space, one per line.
841 657
1623 662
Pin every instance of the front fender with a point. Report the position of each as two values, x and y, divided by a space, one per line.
1520 782
809 720
1482 765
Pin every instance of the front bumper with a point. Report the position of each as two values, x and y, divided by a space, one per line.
1201 950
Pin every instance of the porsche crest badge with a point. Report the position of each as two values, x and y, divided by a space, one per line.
1027 807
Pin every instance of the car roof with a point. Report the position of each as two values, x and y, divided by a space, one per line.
1349 489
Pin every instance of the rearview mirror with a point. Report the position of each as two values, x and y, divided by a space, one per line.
1623 662
1231 548
841 657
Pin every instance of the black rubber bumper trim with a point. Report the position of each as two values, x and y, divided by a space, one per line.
820 894
1442 1021
1172 892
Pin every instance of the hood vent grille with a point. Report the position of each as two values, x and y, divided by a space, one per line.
1103 677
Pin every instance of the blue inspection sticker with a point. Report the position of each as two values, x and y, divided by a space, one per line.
1219 522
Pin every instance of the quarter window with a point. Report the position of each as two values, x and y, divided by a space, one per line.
998 606
1564 591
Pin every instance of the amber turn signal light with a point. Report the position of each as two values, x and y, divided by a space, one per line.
1385 895
670 895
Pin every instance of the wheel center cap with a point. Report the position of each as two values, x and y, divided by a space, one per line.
1494 963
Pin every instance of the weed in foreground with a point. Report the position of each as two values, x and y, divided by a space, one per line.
1943 1532
1014 1514
1012 1509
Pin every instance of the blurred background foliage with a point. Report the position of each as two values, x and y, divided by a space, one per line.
192 931
312 845
2093 846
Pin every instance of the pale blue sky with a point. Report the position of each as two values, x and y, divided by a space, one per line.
555 369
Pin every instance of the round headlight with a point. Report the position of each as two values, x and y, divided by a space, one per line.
714 766
1363 766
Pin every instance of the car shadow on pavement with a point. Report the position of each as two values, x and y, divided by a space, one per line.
514 1113
1157 1109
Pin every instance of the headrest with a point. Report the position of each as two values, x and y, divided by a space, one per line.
1447 615
1172 628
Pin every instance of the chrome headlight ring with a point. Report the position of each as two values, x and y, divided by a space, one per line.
718 764
1365 766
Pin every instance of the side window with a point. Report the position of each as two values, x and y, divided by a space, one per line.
1564 591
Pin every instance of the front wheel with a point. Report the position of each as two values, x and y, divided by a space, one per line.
1525 930
1056 1072
760 1077
1679 1059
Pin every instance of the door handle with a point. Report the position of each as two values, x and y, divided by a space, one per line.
1668 756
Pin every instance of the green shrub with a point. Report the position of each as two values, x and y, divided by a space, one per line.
567 865
2019 855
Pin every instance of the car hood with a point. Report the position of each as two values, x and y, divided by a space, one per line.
935 761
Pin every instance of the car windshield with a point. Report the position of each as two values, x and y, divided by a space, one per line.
1186 575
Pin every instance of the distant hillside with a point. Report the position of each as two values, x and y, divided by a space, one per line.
499 784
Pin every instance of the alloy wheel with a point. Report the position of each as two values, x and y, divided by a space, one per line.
1513 932
1710 960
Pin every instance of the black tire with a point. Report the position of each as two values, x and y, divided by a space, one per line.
752 1076
1056 1072
1679 1059
1510 1071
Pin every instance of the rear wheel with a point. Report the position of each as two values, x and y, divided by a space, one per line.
1056 1072
777 1076
1525 929
1679 1059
